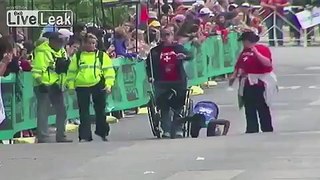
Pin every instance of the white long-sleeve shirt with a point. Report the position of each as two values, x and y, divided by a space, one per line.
270 83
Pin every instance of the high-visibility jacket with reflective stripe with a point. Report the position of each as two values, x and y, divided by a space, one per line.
43 64
89 71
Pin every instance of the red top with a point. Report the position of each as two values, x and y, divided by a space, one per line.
249 64
268 11
25 65
169 67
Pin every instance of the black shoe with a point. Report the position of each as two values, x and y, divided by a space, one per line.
63 140
103 137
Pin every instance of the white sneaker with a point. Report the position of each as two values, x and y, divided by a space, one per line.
166 135
179 134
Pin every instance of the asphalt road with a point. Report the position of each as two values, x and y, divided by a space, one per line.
292 152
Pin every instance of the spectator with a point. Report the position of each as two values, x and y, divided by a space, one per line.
182 9
143 48
25 63
121 42
79 29
152 16
204 15
73 47
155 24
245 9
6 55
255 20
271 6
233 7
224 5
9 49
221 27
179 20
164 20
198 5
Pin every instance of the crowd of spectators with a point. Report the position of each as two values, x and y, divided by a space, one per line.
192 23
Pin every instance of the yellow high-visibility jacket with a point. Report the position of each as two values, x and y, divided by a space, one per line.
43 65
87 71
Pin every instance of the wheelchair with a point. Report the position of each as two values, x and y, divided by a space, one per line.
154 114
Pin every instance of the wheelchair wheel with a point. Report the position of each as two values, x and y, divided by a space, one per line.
188 113
154 118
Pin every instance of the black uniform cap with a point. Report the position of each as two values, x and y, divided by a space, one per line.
249 36
56 36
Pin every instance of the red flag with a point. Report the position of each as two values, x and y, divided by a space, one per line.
144 15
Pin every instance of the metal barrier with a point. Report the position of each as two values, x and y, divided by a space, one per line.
212 58
276 23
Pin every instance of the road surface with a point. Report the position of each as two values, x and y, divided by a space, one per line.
292 152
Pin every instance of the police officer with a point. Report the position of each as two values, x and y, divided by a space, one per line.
46 71
91 74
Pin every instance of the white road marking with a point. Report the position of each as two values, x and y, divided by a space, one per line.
313 68
236 106
293 75
314 87
315 103
289 87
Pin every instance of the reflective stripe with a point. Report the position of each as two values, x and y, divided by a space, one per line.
109 77
36 70
106 68
84 66
72 71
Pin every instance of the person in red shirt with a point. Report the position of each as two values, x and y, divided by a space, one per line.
254 59
165 69
277 6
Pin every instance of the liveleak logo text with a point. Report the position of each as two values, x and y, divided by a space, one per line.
41 18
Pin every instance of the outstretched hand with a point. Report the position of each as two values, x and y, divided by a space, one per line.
7 58
181 56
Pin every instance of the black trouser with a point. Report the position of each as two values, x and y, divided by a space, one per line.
47 95
254 103
99 103
164 103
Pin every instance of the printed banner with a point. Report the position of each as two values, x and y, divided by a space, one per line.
309 18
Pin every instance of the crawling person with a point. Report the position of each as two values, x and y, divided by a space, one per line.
206 115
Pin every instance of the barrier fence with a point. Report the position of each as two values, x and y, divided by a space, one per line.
213 58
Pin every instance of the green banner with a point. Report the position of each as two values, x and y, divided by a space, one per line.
212 58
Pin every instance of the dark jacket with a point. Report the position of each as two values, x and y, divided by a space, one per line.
155 58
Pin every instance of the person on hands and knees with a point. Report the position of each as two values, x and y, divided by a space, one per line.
257 83
165 69
92 75
48 87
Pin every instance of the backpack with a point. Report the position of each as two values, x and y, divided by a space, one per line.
100 56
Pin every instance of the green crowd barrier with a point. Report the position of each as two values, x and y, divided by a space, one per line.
212 58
